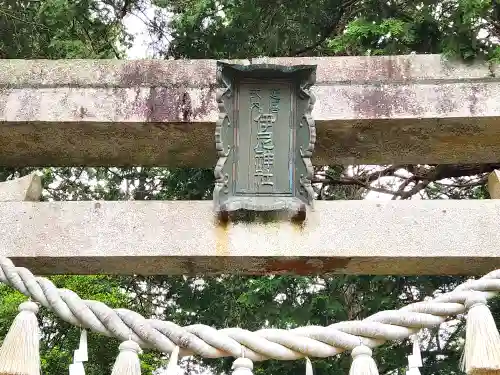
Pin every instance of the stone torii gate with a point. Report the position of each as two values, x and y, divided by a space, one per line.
405 109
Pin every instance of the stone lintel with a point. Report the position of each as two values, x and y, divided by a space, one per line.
348 237
493 184
26 188
374 110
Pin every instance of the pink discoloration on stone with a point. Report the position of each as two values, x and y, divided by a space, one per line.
196 73
108 73
446 104
164 105
386 68
378 101
369 109
333 103
385 101
108 105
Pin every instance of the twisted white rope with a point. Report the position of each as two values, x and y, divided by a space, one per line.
309 341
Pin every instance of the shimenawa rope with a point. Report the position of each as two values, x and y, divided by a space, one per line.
202 340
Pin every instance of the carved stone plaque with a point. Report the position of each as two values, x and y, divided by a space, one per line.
264 137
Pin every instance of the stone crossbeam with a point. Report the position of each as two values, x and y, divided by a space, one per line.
375 110
444 237
27 188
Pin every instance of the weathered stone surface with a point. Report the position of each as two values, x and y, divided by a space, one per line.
356 237
405 109
494 184
108 73
372 69
195 73
27 188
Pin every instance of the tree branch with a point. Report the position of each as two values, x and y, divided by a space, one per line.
422 176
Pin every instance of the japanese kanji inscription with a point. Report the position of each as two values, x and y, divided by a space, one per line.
264 138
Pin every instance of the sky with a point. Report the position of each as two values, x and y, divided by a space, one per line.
135 25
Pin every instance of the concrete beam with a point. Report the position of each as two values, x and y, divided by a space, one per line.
444 237
397 109
26 188
493 184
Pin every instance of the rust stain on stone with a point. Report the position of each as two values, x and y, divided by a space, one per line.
304 265
221 235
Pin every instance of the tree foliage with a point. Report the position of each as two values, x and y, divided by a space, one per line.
240 29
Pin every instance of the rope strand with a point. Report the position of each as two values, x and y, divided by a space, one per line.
208 342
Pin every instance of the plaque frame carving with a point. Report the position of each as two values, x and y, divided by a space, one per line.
303 129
